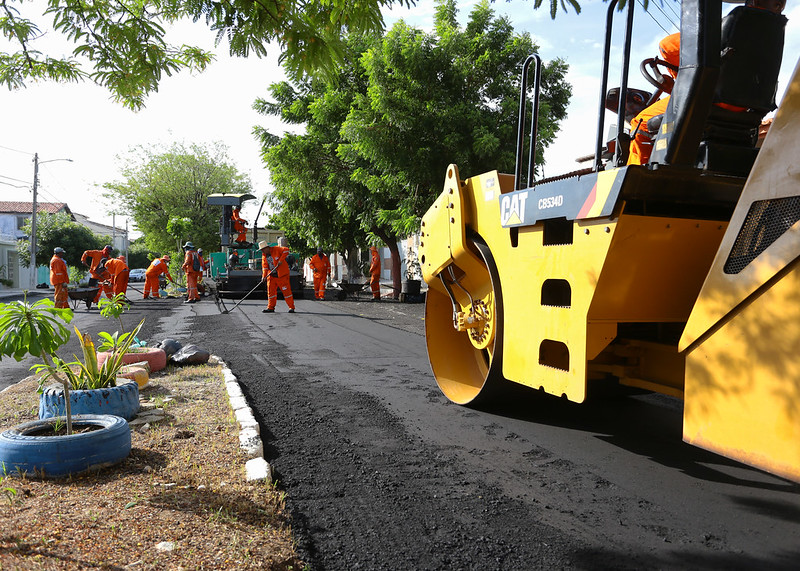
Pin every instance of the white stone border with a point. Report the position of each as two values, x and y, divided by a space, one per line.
249 433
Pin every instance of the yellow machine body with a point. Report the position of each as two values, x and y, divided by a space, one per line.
742 339
585 278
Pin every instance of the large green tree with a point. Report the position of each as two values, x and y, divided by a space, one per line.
447 97
173 183
58 230
311 182
378 141
125 46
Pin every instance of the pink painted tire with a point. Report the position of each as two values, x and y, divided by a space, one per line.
156 358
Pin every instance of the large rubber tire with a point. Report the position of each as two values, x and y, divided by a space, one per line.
465 374
23 451
122 400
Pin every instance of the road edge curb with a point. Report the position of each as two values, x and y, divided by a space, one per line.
256 468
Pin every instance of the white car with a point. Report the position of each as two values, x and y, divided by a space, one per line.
136 275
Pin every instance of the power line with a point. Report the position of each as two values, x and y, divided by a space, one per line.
671 6
660 8
16 185
14 179
16 150
652 17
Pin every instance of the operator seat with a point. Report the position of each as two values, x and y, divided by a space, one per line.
752 50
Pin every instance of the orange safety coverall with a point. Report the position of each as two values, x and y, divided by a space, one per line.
375 273
156 268
59 277
275 270
642 143
321 266
95 256
201 288
239 225
119 275
105 283
191 274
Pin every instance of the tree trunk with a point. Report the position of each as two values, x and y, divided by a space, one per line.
391 242
352 261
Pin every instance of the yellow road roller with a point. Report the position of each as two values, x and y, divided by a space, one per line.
678 276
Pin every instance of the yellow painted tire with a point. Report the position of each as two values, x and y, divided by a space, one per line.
466 372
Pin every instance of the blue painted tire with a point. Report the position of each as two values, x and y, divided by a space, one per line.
24 450
122 400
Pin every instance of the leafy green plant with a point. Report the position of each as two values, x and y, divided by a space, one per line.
57 424
89 374
76 274
112 341
114 308
37 329
10 493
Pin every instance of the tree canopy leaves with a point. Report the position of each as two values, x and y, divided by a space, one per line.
378 140
174 183
58 230
124 46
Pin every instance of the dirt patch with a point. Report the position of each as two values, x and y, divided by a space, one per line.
179 501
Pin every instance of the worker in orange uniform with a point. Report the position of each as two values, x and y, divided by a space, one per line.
203 261
275 270
239 225
204 264
375 273
642 141
156 268
59 277
118 269
670 48
194 269
321 266
92 259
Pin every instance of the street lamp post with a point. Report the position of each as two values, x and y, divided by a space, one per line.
36 164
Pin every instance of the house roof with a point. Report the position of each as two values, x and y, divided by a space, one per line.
7 207
97 227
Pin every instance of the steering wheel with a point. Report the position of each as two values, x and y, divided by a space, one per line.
652 73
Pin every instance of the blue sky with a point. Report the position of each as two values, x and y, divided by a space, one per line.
79 121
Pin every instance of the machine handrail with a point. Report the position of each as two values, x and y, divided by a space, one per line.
523 95
598 153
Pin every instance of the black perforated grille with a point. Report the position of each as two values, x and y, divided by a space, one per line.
766 221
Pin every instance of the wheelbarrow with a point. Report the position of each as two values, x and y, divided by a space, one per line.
85 294
349 290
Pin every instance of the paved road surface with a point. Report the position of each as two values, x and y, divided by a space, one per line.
383 473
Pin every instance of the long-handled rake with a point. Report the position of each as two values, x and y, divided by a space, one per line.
226 310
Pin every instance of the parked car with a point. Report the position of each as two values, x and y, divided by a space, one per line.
136 275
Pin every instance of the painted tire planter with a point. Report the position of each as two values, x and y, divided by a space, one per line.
156 358
122 400
26 449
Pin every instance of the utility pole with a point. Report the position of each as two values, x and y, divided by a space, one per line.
34 268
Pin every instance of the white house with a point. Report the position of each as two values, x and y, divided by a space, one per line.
12 218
